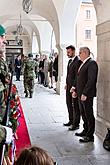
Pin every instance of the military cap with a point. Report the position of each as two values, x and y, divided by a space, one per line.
2 30
30 55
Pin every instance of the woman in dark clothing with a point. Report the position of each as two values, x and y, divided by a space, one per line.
41 70
55 67
18 67
50 70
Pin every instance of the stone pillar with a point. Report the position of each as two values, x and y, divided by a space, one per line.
103 93
60 68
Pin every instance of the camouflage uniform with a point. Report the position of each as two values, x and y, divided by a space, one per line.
3 76
29 75
24 73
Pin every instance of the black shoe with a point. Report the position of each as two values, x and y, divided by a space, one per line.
50 87
26 95
55 90
86 139
67 124
45 85
81 134
30 95
73 128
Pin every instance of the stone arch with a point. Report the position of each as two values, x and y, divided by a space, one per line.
28 26
48 13
45 9
102 8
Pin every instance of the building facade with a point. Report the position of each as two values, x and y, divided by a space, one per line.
86 27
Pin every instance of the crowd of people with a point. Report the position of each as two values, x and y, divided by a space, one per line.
43 68
47 69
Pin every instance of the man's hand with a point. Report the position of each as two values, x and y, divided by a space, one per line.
74 94
72 89
83 97
18 66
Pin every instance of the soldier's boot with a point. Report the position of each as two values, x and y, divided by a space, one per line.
31 94
26 95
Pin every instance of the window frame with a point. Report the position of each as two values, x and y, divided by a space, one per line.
87 34
88 14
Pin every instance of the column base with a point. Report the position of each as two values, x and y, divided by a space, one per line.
101 127
60 85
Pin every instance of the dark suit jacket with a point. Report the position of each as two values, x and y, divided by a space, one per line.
17 63
55 65
87 79
72 69
41 64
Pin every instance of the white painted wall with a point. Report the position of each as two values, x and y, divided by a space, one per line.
35 48
45 30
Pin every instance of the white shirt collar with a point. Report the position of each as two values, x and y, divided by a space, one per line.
86 59
73 58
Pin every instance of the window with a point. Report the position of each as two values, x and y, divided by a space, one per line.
88 14
14 43
88 34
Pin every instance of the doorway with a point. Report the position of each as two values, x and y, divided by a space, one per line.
11 54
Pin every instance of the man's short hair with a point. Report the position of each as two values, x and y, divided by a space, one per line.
85 49
70 47
30 55
37 55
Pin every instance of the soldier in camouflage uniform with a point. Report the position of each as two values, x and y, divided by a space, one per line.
3 73
3 81
24 74
29 75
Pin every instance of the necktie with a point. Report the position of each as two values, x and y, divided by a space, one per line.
70 61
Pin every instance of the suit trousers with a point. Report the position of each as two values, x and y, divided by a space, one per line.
86 109
76 112
69 105
18 74
73 109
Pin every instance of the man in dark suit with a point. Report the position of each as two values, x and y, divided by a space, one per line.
86 91
72 104
18 67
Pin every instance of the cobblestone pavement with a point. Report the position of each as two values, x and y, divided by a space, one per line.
45 114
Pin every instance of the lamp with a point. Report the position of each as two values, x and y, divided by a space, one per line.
19 32
19 28
27 5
